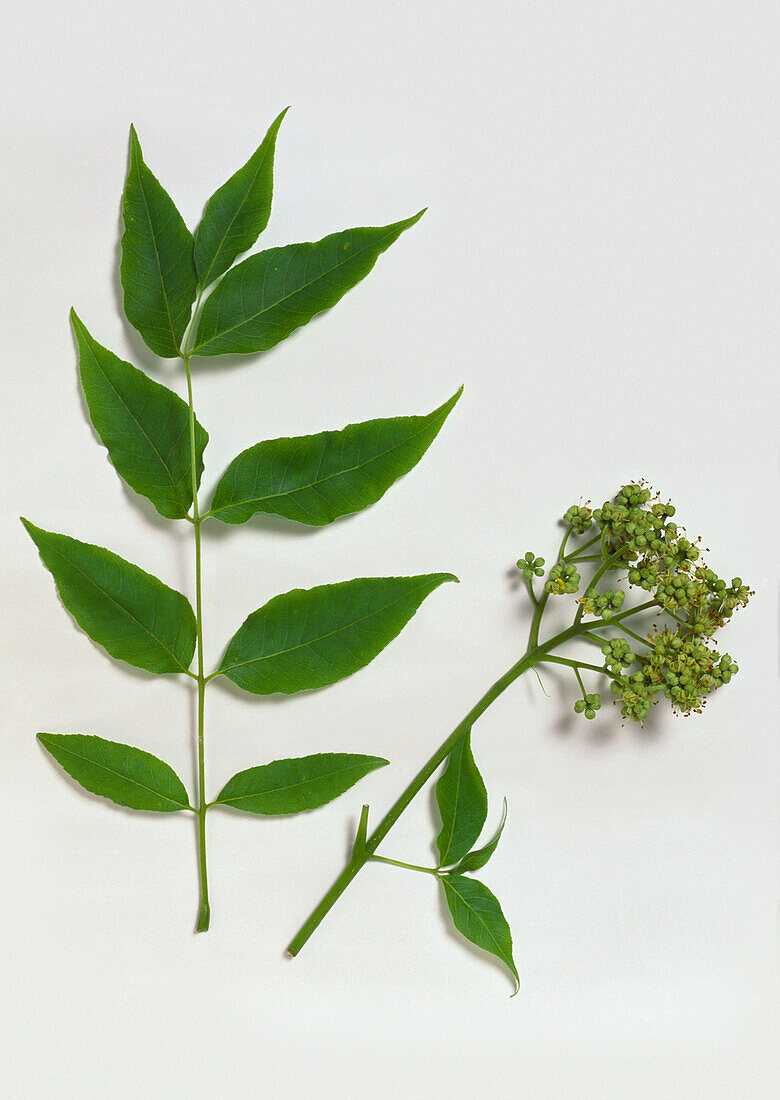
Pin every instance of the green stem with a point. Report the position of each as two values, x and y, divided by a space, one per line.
550 660
578 550
631 634
204 913
359 858
364 849
579 678
541 603
596 624
408 866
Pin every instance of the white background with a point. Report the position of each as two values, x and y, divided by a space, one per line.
595 266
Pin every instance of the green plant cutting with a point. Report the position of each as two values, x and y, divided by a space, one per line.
650 609
191 296
189 299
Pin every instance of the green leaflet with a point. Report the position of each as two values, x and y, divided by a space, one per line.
314 479
158 268
267 296
474 860
144 426
291 786
462 801
128 776
309 638
238 212
477 915
133 615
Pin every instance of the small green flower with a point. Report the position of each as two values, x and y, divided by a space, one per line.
618 654
563 578
634 698
604 604
580 518
588 705
633 495
531 566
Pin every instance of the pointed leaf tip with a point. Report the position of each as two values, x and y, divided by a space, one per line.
311 638
124 774
270 294
131 614
143 425
157 268
294 786
477 915
238 212
316 479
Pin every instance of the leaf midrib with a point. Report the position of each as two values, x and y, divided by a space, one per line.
322 480
312 641
288 786
139 165
95 764
239 208
121 606
304 286
163 463
455 810
499 949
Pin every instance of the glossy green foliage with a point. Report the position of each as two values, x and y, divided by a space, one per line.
315 479
462 802
238 212
144 426
269 295
309 638
477 915
128 776
158 266
133 615
478 858
292 786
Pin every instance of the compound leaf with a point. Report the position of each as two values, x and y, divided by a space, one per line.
128 776
158 267
314 479
144 426
477 915
292 786
267 296
462 801
238 212
133 615
309 638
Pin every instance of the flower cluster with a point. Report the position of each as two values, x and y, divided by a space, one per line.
640 536
682 667
661 561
